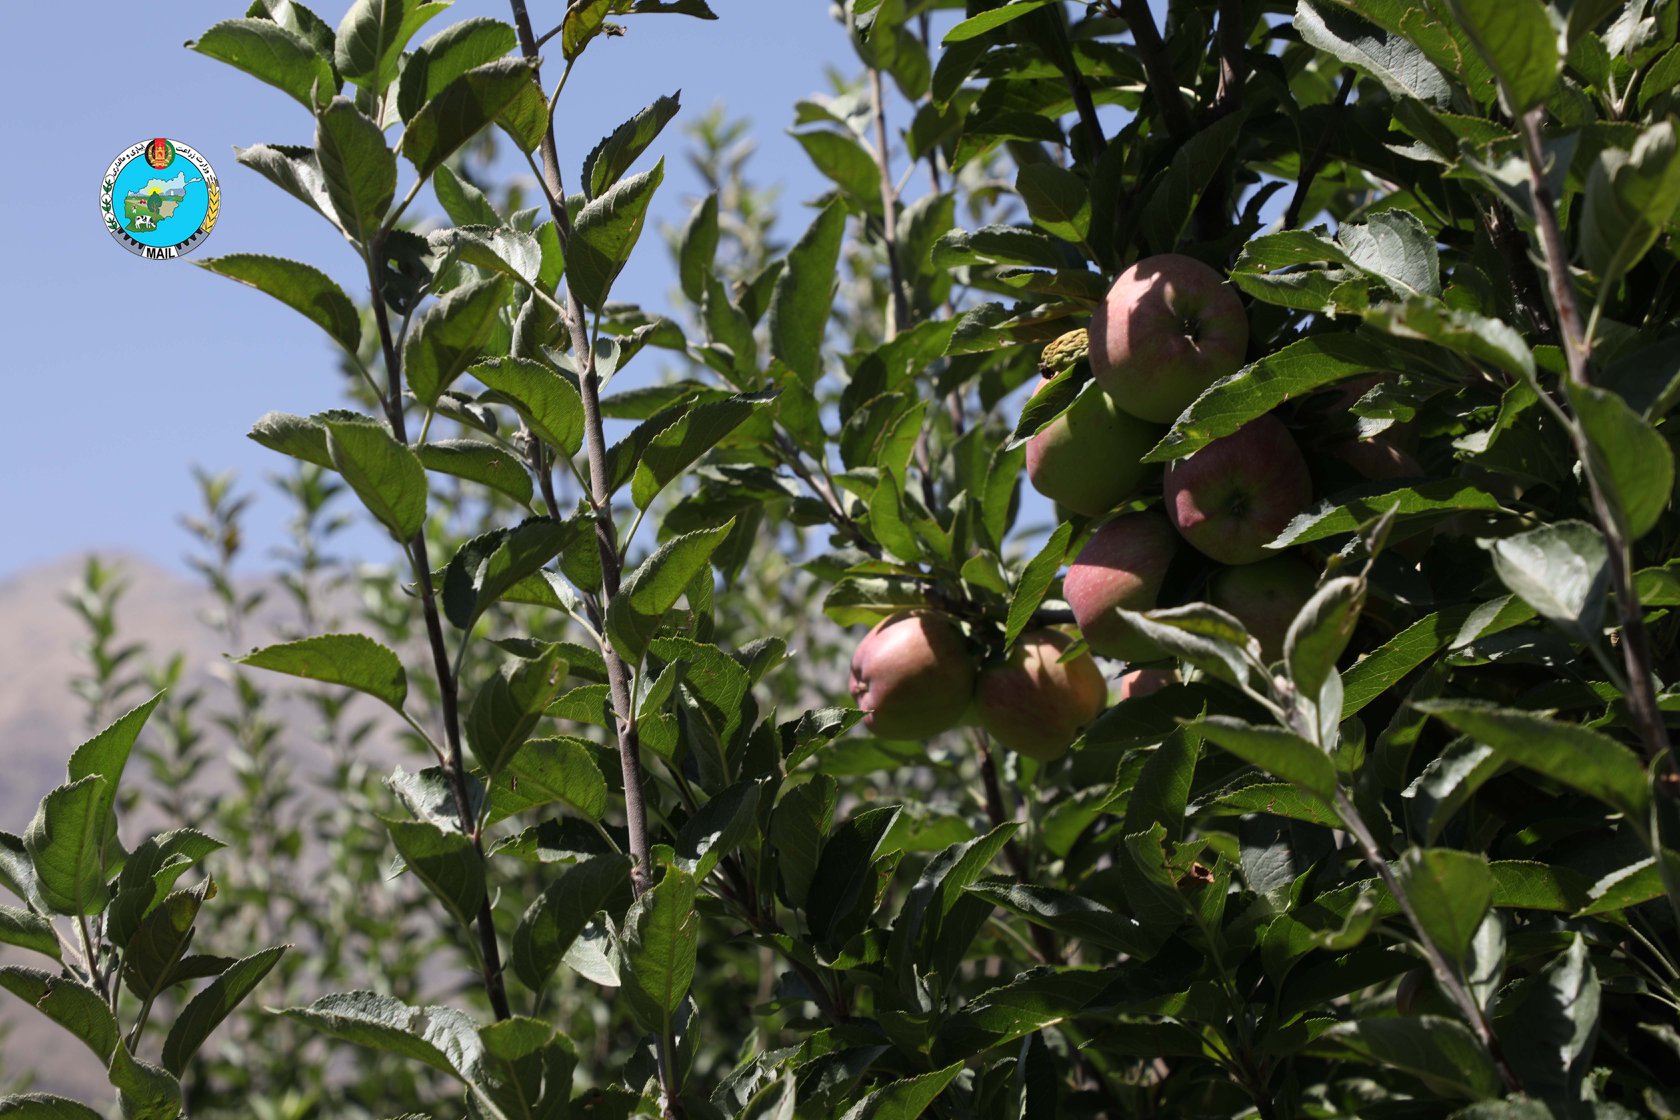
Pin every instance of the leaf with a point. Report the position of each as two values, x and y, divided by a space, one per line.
1633 459
697 250
71 1004
1394 245
844 162
386 475
845 870
1562 571
1549 1022
450 336
44 1106
445 861
1347 513
1575 756
1321 631
352 660
65 841
661 938
293 169
1161 793
489 566
1442 1053
527 1069
1036 578
508 707
1519 42
1274 750
446 56
205 1012
439 1037
1630 197
606 231
797 827
504 91
149 874
150 956
1451 892
479 461
144 1091
1067 914
719 827
301 437
679 446
655 586
372 35
560 913
1482 339
804 295
1402 68
582 22
906 1099
359 171
270 53
28 930
304 288
1203 635
613 156
547 403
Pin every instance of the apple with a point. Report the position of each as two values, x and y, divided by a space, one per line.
1121 566
1087 459
1376 458
1142 682
1169 328
1234 496
914 675
1265 597
1036 705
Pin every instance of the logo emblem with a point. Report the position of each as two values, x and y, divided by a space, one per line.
160 199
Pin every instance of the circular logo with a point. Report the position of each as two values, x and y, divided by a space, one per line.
160 199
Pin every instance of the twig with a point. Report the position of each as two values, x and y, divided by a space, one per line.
1577 350
1157 68
900 307
1315 162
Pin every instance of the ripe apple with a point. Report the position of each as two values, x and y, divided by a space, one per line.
1141 682
1265 597
1121 566
1234 496
1376 458
1035 705
1169 328
914 675
1087 458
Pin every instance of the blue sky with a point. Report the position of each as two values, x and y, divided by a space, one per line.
121 374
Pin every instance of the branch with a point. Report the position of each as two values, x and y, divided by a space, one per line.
900 307
1321 151
1157 69
1577 350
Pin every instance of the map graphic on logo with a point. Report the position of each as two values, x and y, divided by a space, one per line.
160 199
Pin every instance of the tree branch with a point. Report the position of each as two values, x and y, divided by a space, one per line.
1157 68
1321 151
900 306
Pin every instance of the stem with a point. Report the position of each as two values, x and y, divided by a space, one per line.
1577 350
900 306
606 533
1157 69
1315 162
490 956
91 958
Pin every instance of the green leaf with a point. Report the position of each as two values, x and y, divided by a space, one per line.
804 295
1575 756
847 164
527 1069
479 461
65 842
613 156
1297 369
504 91
1633 459
205 1012
450 336
1034 584
28 930
1395 246
1629 886
71 1004
495 248
797 827
145 1091
1203 635
488 567
372 35
445 861
359 171
1274 750
1058 200
1402 68
465 203
1068 914
301 437
1630 197
1348 514
352 660
148 875
150 955
606 231
719 827
304 288
269 52
661 938
1477 337
510 705
655 586
1442 1053
698 431
582 22
1451 892
386 475
548 403
45 1106
440 1037
446 56
906 1099
560 770
697 251
560 913
1519 41
1549 1022
1321 631
845 870
292 168
977 25
1562 571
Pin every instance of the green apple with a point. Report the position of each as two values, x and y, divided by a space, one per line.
1034 703
1234 496
1265 597
1170 327
914 675
1122 566
1087 459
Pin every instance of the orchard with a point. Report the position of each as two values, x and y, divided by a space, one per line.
1155 603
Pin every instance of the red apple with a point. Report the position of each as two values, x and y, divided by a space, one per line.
1265 597
1376 458
1234 496
1121 566
1087 458
1034 704
1169 328
1141 682
914 675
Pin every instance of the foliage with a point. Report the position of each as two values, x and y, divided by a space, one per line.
1421 864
